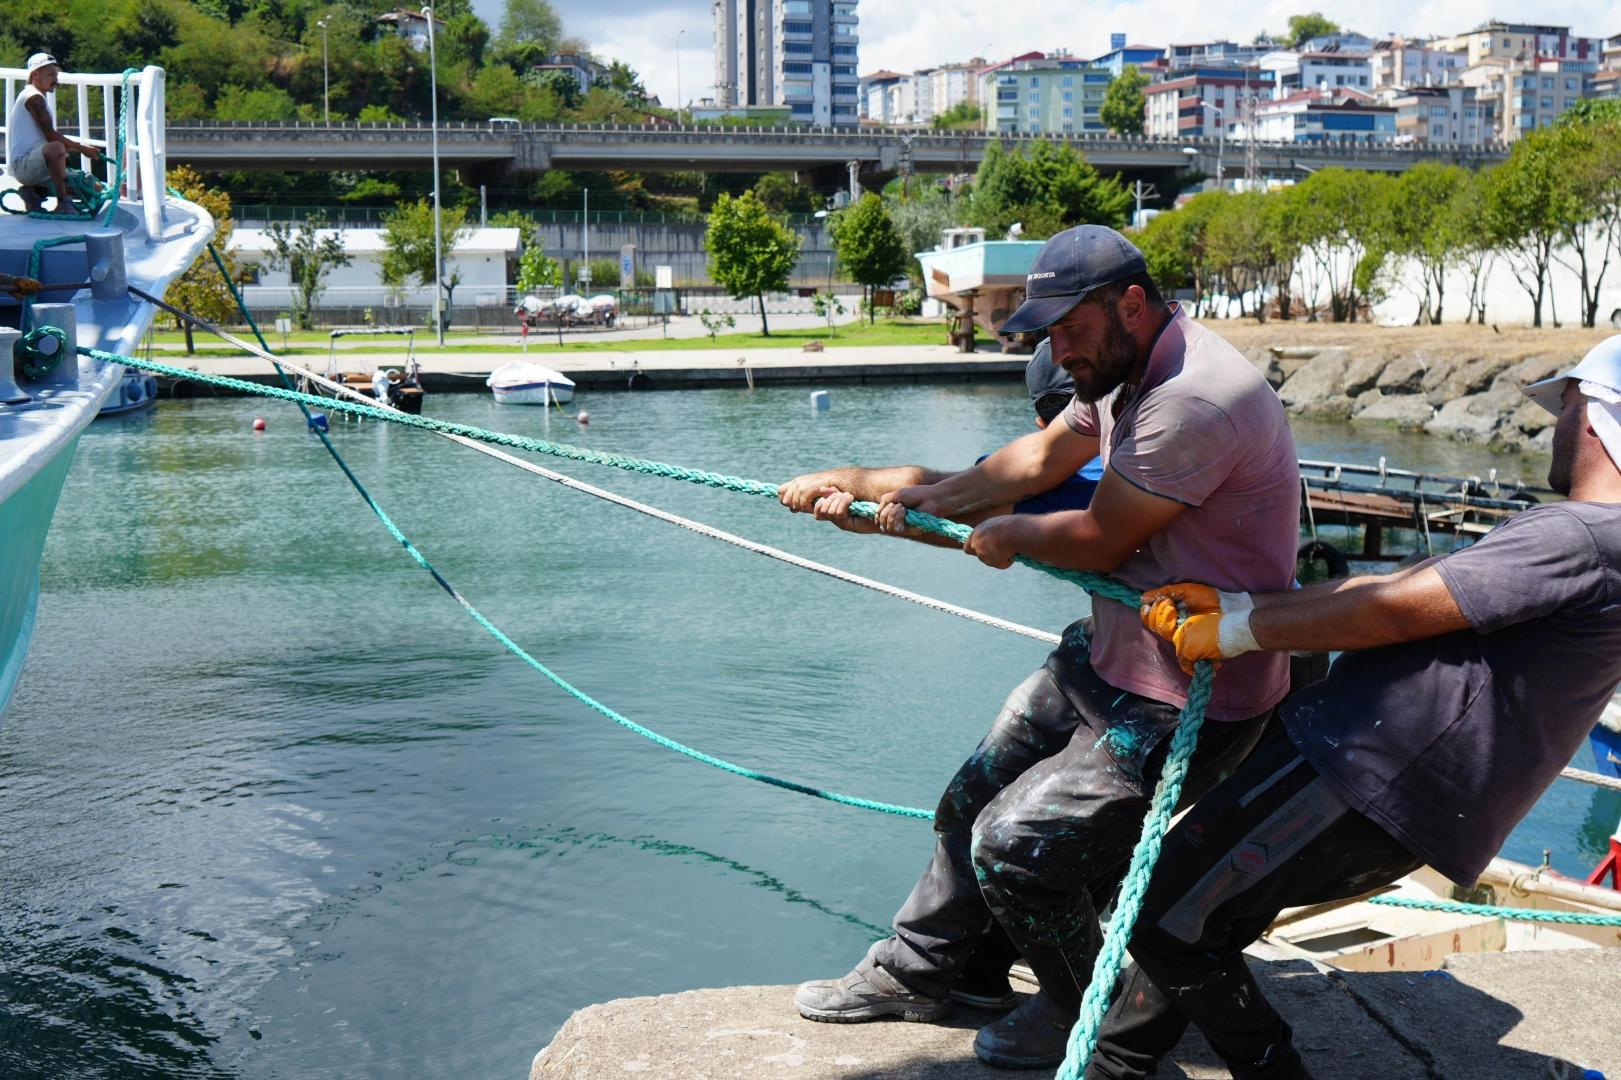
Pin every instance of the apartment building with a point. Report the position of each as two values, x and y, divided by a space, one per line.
1204 101
797 53
939 90
1040 93
1306 70
1521 41
1319 116
1442 115
1405 62
1213 54
1115 60
881 95
1524 96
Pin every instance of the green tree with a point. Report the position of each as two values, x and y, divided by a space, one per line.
1240 245
964 114
201 291
1174 245
1050 189
1123 106
870 248
1590 181
537 270
1425 231
781 195
1529 213
1302 28
921 215
1342 219
530 30
751 253
408 244
308 252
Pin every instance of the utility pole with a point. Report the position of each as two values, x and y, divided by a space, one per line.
1142 191
855 181
1252 163
326 84
585 233
483 208
676 37
438 225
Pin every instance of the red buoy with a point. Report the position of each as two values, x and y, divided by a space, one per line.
584 417
258 423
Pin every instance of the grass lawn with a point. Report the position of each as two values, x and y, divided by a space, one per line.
885 332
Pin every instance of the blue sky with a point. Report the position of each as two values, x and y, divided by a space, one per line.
907 34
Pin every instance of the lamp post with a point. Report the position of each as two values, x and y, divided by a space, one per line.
438 231
1221 147
326 83
676 37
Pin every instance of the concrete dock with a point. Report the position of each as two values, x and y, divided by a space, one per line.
1484 1016
662 369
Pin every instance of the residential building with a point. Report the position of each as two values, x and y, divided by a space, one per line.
584 69
1213 54
1610 58
1404 62
1204 101
411 25
1605 85
1442 115
1297 71
874 97
1537 97
1115 60
1058 94
1320 116
798 53
1347 41
942 89
1521 41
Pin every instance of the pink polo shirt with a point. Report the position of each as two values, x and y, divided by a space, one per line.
1206 430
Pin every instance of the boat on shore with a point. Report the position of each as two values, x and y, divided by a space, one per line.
146 239
524 382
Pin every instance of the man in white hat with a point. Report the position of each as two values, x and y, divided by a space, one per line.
36 153
1467 683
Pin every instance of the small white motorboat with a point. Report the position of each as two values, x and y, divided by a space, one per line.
523 382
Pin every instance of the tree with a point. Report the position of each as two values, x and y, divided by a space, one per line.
1590 179
921 215
537 270
1302 28
308 252
1341 221
1123 106
964 114
408 244
869 247
1174 245
1425 230
201 291
1529 215
530 31
1049 190
751 253
781 195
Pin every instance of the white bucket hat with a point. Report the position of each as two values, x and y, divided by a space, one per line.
39 60
1601 366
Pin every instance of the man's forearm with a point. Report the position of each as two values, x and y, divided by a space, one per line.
869 484
1358 613
1024 467
1071 539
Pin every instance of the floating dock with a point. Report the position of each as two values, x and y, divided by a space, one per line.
1481 1016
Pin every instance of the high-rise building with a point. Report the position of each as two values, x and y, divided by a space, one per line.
797 53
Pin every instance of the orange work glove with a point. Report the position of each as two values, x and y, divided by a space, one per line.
1199 639
1162 608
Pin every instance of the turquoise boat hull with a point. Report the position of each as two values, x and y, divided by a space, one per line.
25 518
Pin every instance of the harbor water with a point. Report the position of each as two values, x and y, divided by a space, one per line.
272 805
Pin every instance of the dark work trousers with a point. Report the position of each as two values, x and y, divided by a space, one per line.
1036 829
1272 835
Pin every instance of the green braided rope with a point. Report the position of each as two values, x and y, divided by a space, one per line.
1167 793
1578 918
35 361
580 695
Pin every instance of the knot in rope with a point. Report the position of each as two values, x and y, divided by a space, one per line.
36 357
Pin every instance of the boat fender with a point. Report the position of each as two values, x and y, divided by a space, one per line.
318 421
258 423
584 418
820 400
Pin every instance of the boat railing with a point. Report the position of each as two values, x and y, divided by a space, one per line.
145 146
1473 485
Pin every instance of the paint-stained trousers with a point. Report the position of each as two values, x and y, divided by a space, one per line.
1036 829
1272 835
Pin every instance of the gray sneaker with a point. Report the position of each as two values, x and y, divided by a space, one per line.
1033 1036
867 993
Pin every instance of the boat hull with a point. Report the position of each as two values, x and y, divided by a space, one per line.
1606 751
136 390
545 393
25 519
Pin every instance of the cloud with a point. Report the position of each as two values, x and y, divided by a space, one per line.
904 35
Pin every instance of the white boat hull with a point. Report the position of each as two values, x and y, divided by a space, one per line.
545 393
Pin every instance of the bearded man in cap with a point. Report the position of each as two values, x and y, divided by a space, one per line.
1035 831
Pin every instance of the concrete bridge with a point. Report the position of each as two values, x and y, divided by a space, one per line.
492 148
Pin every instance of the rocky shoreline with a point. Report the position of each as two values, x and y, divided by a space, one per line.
1460 382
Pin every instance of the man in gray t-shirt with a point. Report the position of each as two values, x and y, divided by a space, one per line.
1467 683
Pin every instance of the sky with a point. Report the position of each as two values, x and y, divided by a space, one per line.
904 35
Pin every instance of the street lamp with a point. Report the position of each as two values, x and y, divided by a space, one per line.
676 37
1221 147
438 231
326 84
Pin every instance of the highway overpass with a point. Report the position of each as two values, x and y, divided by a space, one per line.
492 148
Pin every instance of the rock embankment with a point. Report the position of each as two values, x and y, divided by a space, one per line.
1459 382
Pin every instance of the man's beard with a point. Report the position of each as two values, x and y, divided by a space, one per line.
1097 377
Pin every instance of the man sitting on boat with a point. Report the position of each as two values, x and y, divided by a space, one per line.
1475 677
36 153
1035 830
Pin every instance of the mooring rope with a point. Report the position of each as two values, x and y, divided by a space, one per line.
1596 779
1167 793
1577 918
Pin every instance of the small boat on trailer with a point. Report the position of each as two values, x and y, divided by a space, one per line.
524 382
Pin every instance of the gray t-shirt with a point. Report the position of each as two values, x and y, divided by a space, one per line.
1448 742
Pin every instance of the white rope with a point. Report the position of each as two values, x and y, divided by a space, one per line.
1596 779
643 508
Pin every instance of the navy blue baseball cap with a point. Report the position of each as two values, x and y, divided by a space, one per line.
1069 266
1050 385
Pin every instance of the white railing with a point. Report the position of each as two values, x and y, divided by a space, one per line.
144 134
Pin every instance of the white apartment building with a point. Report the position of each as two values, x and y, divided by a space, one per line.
1297 71
941 89
796 53
1521 41
1406 63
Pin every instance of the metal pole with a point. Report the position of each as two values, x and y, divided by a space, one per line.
678 34
585 234
438 230
483 208
326 84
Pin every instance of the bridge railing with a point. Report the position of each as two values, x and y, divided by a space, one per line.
376 216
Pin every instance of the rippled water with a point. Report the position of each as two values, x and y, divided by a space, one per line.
272 805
